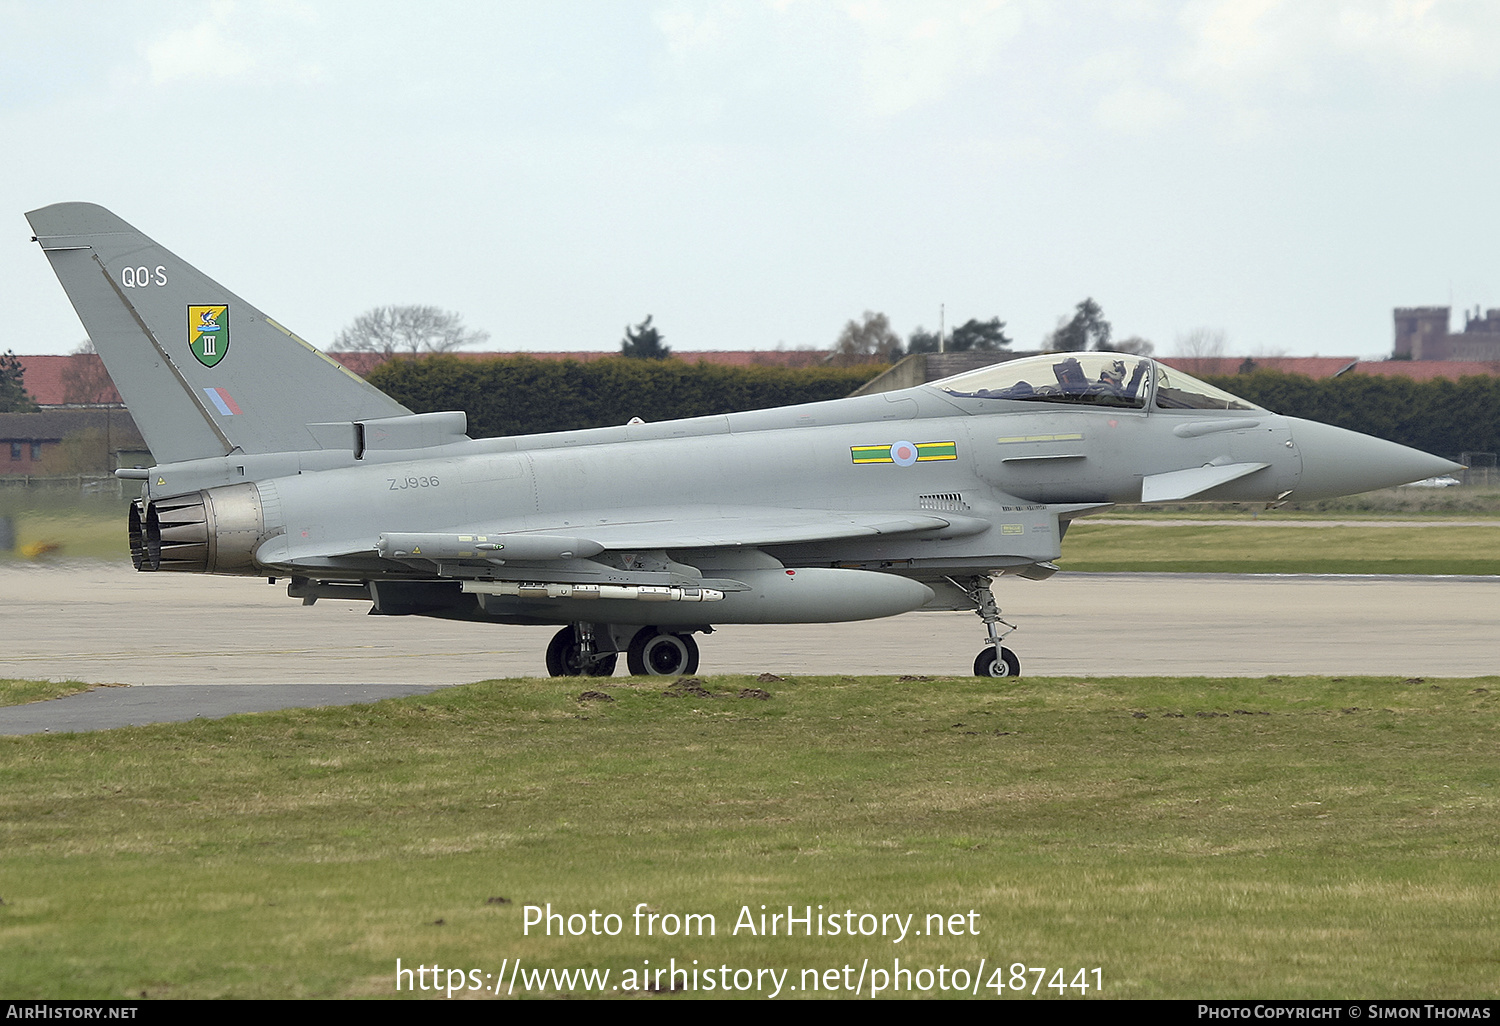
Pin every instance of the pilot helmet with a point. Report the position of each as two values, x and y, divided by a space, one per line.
1113 373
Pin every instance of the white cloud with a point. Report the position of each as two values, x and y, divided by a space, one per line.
1137 109
691 29
914 54
233 40
896 55
1430 41
206 50
1252 44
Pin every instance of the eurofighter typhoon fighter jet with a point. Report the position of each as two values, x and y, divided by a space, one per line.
274 461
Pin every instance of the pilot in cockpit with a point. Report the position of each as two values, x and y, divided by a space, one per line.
1112 377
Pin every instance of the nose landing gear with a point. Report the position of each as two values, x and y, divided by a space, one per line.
994 660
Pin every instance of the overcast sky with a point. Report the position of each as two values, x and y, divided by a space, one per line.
754 173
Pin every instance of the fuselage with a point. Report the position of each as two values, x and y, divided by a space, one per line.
1003 462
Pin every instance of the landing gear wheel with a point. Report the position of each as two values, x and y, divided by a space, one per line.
562 654
656 654
565 657
993 663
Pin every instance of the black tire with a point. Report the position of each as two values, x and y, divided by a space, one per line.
987 664
655 653
562 654
692 650
563 658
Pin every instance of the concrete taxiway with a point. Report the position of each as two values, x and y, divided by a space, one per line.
108 624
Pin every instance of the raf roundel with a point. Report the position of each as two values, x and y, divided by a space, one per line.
903 454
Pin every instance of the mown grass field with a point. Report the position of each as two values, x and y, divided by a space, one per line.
1307 837
58 523
1237 547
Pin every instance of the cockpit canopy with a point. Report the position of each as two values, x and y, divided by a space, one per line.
1096 379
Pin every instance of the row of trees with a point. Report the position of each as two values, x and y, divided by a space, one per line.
413 330
389 331
872 339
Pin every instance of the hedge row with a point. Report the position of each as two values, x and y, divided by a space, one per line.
1438 416
522 395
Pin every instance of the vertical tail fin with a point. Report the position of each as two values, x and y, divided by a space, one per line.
203 372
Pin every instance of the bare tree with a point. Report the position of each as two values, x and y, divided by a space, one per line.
85 381
407 331
1201 349
866 341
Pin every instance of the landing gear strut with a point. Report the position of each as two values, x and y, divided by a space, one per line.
994 660
573 652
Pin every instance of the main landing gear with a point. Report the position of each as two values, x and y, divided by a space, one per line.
572 652
994 660
655 653
587 649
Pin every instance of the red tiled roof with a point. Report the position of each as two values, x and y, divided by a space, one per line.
1426 370
45 381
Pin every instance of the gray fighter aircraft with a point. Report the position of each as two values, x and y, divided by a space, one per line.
274 461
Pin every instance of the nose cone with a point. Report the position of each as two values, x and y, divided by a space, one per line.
1340 462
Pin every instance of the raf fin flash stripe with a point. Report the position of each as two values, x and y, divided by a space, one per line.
904 453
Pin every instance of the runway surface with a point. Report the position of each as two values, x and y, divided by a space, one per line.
104 623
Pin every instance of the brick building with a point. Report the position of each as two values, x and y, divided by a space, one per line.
70 441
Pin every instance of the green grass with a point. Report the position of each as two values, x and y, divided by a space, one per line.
1469 502
57 522
19 692
1298 837
1244 548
